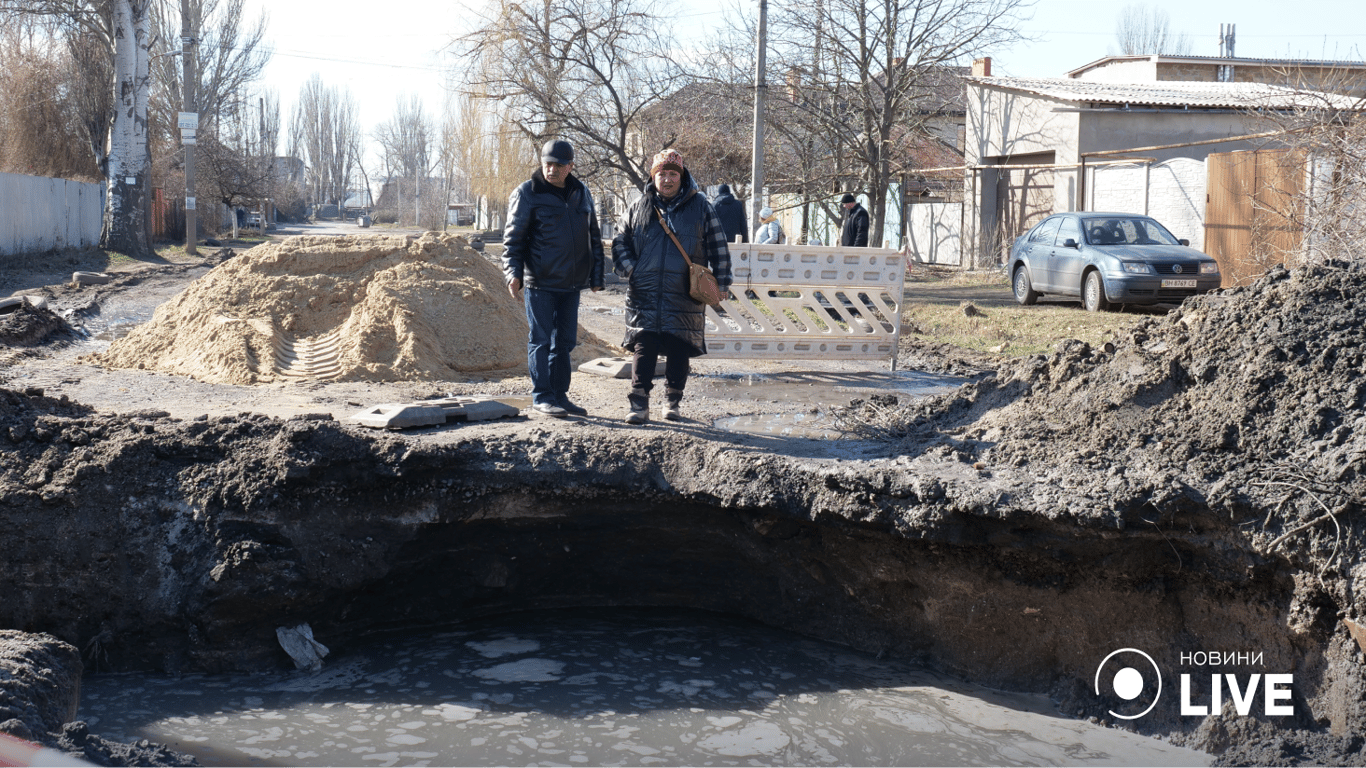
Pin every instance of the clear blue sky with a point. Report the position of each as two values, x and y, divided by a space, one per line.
382 51
1067 34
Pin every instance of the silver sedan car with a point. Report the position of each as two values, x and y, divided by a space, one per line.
1108 258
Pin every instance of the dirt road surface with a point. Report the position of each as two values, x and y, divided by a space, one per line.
751 391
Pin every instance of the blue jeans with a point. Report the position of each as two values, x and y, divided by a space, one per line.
554 320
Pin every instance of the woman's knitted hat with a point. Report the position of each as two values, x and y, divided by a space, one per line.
668 160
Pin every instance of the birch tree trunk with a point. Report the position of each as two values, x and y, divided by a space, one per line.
126 203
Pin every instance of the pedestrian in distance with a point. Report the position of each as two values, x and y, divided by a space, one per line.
731 212
855 231
770 231
669 217
552 250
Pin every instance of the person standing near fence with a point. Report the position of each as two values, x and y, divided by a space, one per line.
552 248
855 231
661 316
771 231
731 212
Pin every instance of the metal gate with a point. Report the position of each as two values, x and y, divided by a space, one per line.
809 302
1253 201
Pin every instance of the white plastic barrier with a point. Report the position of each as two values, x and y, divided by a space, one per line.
809 302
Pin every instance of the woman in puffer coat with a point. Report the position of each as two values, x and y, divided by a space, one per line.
661 316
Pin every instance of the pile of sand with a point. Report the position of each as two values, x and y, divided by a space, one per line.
355 308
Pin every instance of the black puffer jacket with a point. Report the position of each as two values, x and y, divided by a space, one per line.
552 242
731 212
657 275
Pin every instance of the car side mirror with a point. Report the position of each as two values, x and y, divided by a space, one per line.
1184 241
1069 243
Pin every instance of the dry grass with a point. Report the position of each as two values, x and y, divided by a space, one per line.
936 310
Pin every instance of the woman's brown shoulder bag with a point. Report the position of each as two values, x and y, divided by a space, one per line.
702 285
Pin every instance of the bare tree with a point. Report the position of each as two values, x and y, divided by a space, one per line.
406 139
406 143
869 68
460 138
1314 189
231 57
238 158
493 154
1143 30
45 118
326 133
584 70
125 29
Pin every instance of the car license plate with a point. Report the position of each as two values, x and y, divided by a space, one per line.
1178 283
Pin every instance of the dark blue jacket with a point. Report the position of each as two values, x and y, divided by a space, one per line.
552 242
731 212
657 275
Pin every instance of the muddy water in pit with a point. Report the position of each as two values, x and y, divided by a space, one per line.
817 392
605 688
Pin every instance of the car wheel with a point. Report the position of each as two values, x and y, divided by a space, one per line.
1093 293
1024 287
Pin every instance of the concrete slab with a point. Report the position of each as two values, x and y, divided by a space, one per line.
432 412
89 278
401 416
617 367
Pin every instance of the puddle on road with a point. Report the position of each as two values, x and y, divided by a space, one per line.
119 313
817 392
817 426
520 402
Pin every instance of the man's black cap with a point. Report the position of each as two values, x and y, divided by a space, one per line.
557 151
848 198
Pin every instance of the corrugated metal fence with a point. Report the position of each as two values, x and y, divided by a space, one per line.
39 214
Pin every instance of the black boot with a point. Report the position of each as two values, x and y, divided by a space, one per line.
672 399
640 406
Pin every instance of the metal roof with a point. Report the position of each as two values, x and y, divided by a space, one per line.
1171 93
1222 60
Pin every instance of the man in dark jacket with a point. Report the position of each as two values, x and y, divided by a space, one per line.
552 247
855 231
731 212
661 315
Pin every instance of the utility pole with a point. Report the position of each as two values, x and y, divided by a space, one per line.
267 157
189 124
756 194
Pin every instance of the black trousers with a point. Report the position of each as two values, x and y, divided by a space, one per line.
647 348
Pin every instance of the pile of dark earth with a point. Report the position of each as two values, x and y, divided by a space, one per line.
1248 405
1211 463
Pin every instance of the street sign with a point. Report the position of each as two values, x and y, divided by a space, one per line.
189 203
188 120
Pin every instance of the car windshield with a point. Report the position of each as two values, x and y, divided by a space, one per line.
1127 231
